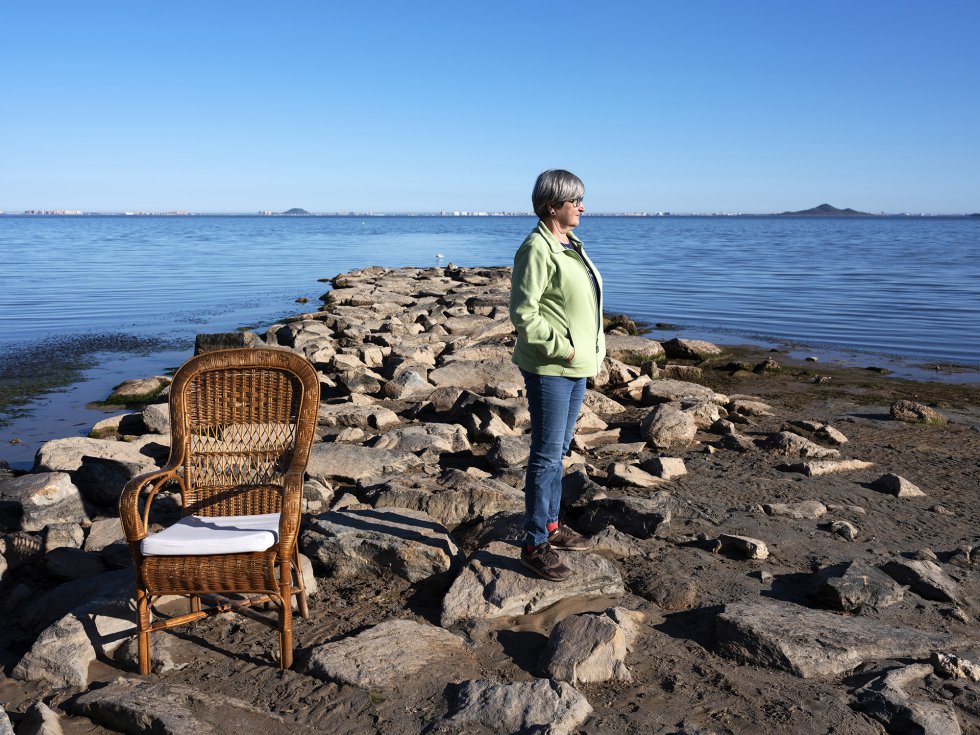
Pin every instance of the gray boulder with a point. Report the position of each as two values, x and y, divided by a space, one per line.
509 451
587 649
457 497
391 653
787 444
542 706
163 708
139 390
348 414
62 654
65 455
421 437
916 413
925 578
351 462
156 418
690 349
39 720
31 502
885 699
857 587
666 427
812 643
102 479
495 584
407 384
639 517
474 374
407 543
670 391
625 346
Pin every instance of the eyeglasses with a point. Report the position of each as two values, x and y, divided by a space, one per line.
574 202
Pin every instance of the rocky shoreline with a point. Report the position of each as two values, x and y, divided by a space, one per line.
778 546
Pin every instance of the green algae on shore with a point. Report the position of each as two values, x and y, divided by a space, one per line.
31 371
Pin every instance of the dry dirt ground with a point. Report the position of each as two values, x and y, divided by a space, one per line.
680 682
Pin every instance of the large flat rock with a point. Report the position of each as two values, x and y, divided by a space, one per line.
352 462
408 543
494 584
160 708
813 643
391 652
456 498
475 374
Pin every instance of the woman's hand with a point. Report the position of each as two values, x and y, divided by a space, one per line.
571 355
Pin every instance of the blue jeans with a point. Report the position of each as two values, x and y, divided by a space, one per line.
554 403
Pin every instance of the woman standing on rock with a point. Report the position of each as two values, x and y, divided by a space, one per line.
556 307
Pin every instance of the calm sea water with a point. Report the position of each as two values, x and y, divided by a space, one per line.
897 291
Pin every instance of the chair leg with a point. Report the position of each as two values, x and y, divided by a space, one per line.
285 616
143 628
302 603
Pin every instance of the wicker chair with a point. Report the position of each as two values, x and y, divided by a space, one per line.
242 424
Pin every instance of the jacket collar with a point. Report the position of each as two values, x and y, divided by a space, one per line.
549 236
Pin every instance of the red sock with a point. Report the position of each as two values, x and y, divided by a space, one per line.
552 527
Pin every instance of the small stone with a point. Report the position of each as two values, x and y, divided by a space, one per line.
666 468
949 666
830 435
845 529
916 413
898 486
39 720
767 367
805 509
750 548
763 575
820 467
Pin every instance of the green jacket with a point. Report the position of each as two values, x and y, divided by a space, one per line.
553 307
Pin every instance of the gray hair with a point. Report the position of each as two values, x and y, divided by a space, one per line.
553 188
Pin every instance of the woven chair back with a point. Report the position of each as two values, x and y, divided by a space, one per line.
240 427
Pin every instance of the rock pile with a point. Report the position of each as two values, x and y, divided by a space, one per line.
415 480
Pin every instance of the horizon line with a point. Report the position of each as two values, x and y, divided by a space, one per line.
455 214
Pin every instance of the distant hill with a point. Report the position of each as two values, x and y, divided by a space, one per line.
295 210
827 209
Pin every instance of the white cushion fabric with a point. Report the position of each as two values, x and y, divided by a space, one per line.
196 536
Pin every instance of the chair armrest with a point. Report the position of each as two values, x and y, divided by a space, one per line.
292 510
134 522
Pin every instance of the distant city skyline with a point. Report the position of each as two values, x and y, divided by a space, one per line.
708 107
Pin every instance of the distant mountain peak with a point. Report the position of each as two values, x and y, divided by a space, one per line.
295 210
828 209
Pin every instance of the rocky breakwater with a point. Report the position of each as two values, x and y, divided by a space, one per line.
754 567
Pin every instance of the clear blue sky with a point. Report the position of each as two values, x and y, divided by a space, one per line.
674 106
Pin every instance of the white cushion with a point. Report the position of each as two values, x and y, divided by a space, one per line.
196 536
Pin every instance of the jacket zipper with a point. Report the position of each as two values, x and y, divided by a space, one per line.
594 282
